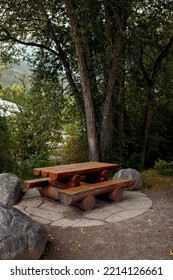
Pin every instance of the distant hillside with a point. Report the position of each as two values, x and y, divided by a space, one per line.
15 74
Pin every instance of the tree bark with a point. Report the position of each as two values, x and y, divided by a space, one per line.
106 114
116 28
146 126
85 83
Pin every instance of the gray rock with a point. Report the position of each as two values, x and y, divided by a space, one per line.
10 186
21 237
131 174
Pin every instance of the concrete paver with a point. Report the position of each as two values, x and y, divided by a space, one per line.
42 220
45 214
51 212
32 202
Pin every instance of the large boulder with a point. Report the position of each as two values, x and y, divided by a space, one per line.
21 238
10 186
131 174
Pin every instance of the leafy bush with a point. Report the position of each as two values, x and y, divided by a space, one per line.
163 167
29 136
25 169
74 149
6 160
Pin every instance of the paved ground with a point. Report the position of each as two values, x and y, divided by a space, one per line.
53 213
138 227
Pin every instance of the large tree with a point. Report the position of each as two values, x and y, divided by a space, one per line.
86 37
87 42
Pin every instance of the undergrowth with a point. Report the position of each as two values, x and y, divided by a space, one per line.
157 182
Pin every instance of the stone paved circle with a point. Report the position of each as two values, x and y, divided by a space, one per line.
47 211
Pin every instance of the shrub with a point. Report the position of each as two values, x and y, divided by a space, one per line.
74 149
163 167
7 163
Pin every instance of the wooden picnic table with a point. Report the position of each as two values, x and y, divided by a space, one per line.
78 184
66 171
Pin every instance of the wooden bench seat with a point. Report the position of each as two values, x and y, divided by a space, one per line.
42 182
34 183
84 196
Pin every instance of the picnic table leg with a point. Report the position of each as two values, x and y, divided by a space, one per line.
115 195
74 181
96 177
87 203
49 191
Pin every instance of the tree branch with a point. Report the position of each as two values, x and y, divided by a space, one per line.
160 58
9 37
62 55
141 65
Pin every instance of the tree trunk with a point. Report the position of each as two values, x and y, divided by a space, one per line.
146 126
89 111
85 83
106 113
119 122
116 28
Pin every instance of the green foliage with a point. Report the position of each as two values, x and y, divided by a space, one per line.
74 150
7 162
35 129
74 146
163 167
108 30
125 157
34 160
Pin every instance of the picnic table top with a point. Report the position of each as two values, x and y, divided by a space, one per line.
68 170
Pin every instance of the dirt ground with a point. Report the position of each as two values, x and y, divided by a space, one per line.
148 236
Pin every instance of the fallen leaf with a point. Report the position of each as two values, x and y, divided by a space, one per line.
82 231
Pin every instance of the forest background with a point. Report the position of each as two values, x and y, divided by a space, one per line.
101 72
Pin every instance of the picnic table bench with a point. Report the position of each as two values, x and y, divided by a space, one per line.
78 184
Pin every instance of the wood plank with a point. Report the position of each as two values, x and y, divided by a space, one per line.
37 171
68 170
69 196
36 182
56 174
